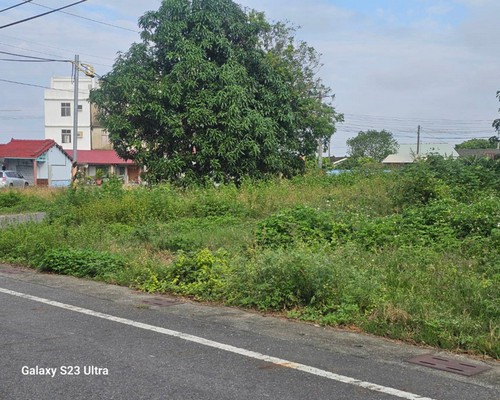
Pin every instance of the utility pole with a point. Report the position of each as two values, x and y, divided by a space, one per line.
320 142
75 111
418 140
320 153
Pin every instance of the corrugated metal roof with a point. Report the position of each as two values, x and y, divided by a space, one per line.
407 153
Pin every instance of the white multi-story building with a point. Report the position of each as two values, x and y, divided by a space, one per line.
95 151
59 112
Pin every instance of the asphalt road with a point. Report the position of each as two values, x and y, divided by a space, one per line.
65 338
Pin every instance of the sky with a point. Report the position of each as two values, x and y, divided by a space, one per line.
392 64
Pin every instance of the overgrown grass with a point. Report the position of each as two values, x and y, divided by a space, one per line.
413 254
31 199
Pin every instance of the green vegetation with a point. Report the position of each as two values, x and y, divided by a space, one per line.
215 92
413 254
490 143
22 200
375 145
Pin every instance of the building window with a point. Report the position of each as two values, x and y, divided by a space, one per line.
80 108
65 110
66 136
80 134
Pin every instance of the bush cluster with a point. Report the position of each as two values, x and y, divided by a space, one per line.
81 263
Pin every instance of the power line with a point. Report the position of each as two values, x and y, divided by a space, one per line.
417 119
41 15
28 61
14 6
32 58
90 19
24 84
56 55
38 86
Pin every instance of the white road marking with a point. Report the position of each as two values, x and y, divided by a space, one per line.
221 346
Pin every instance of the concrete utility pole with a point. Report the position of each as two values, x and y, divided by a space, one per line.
320 143
418 140
320 154
75 110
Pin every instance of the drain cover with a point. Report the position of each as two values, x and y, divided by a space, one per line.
447 364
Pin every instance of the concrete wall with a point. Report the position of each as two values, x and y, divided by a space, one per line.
59 167
62 91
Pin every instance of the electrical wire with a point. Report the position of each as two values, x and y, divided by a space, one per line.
41 15
39 86
27 61
90 19
30 58
16 5
57 55
417 119
23 84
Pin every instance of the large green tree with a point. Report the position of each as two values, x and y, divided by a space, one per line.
490 143
206 96
374 144
496 125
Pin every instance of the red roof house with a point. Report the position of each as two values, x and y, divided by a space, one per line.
107 161
41 162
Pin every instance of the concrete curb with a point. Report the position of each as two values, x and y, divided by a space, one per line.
12 219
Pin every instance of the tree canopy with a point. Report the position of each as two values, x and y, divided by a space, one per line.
490 143
374 144
496 123
214 92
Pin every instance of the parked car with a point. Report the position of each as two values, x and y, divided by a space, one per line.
12 179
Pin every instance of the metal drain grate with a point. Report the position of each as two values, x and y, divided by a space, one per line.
447 364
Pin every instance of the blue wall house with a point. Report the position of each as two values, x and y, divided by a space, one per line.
41 162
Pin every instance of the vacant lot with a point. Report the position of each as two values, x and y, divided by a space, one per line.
413 254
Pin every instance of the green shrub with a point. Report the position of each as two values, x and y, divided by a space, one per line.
10 198
478 218
416 185
19 201
300 224
322 281
201 275
26 244
80 263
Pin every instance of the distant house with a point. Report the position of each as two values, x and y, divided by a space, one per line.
41 162
337 160
108 162
478 153
407 153
94 149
